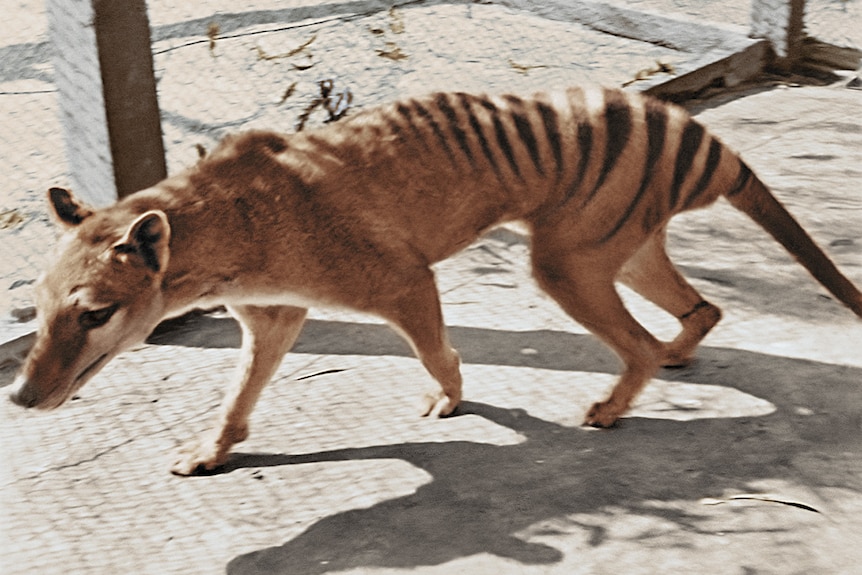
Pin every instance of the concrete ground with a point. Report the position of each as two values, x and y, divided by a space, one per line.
749 461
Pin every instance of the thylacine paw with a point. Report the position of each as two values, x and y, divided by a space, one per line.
436 405
674 359
602 414
199 457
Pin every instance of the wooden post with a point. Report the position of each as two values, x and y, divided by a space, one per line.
107 92
780 22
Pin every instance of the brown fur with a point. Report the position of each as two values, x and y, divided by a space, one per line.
354 215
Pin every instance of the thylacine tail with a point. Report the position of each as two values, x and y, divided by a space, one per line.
751 196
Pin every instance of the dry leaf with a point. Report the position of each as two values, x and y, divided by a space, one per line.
212 33
392 51
10 219
396 22
523 68
262 55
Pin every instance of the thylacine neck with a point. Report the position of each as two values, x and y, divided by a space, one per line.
204 257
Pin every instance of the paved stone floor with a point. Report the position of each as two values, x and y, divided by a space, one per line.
748 461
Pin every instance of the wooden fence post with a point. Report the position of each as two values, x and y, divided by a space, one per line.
107 92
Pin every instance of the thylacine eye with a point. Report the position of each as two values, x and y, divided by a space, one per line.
97 317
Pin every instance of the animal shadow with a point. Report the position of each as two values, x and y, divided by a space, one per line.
482 496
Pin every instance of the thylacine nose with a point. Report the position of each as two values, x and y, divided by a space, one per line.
23 394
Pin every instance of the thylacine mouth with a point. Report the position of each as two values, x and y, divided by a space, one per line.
26 396
90 368
79 382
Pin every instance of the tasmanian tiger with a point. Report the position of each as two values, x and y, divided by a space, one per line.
355 213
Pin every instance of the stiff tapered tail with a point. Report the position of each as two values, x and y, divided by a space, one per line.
751 196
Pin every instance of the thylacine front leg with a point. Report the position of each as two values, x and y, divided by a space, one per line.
267 334
416 314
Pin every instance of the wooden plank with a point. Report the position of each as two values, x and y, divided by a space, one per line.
710 53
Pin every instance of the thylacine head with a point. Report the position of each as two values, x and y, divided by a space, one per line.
100 296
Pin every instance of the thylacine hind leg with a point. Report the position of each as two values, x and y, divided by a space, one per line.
650 273
583 285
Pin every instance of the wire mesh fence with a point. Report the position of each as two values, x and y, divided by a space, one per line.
220 69
284 65
288 65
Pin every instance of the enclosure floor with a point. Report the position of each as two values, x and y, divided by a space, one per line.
749 461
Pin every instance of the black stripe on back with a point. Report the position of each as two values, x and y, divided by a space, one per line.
395 127
502 138
741 179
398 131
550 121
407 114
712 161
618 120
689 144
477 128
525 132
656 121
435 127
585 148
442 102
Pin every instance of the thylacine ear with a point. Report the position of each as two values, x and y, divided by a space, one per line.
146 241
68 209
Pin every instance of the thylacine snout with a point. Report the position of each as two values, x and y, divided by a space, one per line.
28 393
